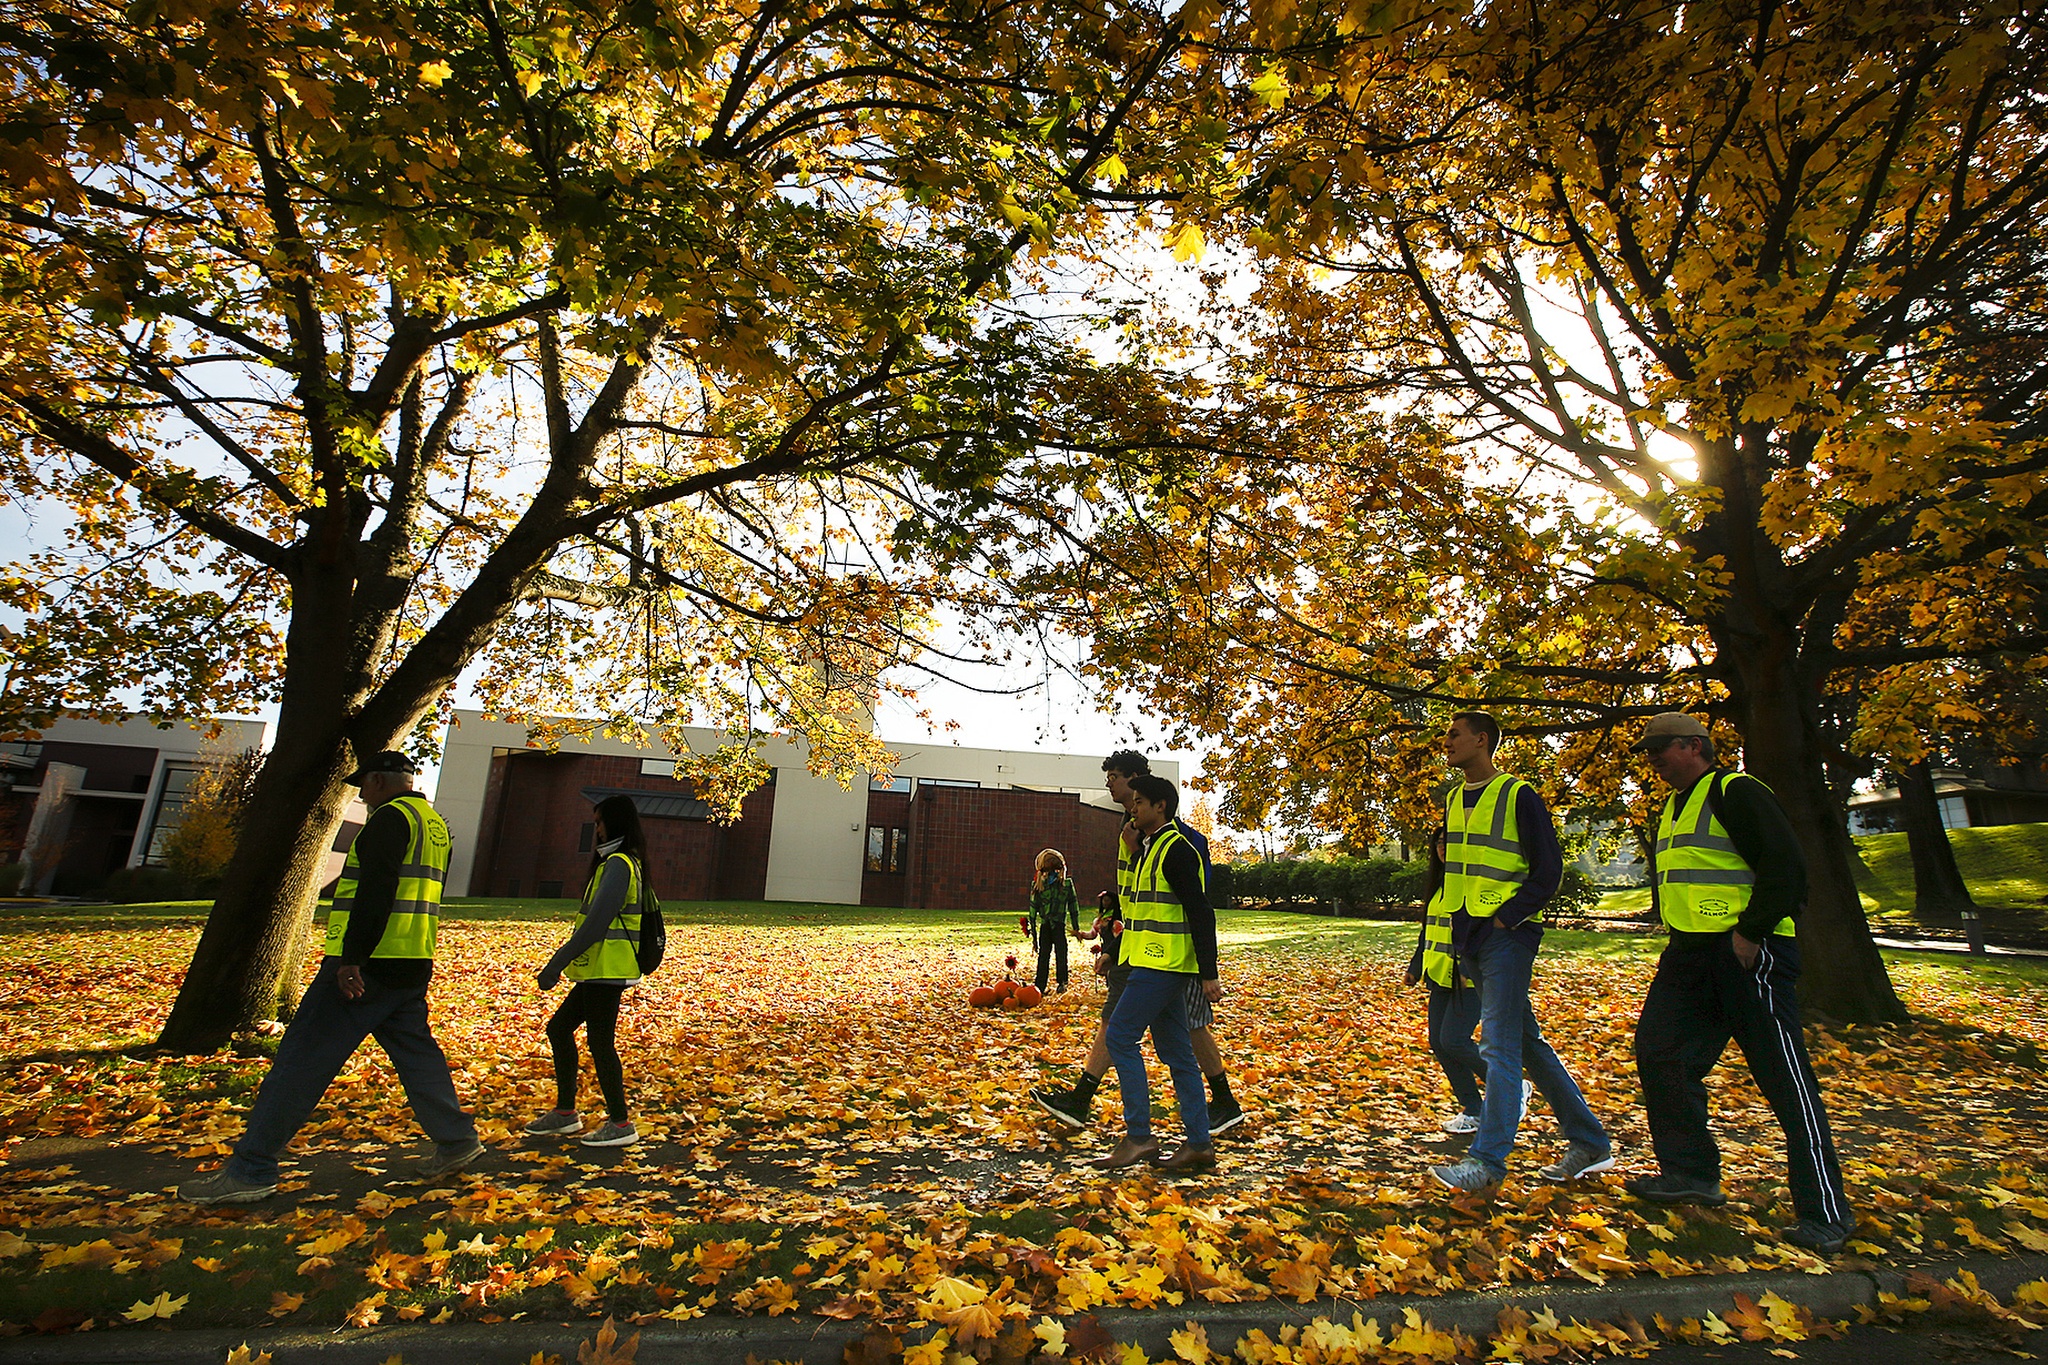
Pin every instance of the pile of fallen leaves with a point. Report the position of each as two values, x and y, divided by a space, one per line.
831 1131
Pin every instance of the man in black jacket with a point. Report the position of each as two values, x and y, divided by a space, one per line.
1729 878
373 982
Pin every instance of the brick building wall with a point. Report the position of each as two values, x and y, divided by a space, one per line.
972 848
535 836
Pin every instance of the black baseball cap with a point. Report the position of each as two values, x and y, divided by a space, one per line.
390 761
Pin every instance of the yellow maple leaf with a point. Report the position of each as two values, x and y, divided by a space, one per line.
284 1305
162 1306
210 1264
241 1355
1192 1344
2033 1239
12 1245
1053 1334
433 73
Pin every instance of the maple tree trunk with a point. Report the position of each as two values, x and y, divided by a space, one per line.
253 933
1938 886
1845 977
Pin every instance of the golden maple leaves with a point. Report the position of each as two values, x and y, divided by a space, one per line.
952 1205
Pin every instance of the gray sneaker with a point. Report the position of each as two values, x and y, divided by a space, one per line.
1468 1176
555 1123
1461 1123
1578 1160
222 1188
612 1135
446 1159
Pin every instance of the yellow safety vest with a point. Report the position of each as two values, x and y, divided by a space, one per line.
1126 883
416 907
1156 932
616 956
1483 862
1703 884
1438 962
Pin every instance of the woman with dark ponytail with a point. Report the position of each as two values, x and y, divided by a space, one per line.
600 960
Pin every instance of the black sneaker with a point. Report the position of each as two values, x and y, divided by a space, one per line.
1062 1105
1676 1189
1225 1116
1826 1239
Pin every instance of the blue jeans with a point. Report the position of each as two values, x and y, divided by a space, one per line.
1156 1000
1453 1014
1511 1042
321 1038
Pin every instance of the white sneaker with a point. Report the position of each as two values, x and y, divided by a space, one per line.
1461 1123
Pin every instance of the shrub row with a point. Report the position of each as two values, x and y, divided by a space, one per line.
1363 886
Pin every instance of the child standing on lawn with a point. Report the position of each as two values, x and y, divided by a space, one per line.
1054 908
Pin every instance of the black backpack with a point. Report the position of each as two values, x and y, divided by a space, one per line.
653 933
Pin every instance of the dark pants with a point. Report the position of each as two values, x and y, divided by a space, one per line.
1052 942
1157 1001
1700 998
595 1006
1453 1016
321 1038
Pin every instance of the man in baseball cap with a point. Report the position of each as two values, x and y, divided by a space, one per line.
1728 878
389 761
377 965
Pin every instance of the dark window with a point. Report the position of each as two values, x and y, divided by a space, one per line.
512 888
887 847
947 782
548 891
583 839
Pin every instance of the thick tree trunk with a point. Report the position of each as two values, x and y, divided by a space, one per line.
1845 976
1938 886
267 893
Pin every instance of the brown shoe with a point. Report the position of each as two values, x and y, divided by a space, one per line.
1189 1159
1127 1153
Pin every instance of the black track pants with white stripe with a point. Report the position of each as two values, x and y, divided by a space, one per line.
1701 997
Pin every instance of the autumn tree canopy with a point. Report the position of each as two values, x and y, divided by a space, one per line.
634 355
1655 356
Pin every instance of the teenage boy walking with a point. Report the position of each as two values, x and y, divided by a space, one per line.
1169 940
1501 865
1728 877
1071 1106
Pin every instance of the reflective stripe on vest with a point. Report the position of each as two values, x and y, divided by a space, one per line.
1437 960
1703 884
415 921
1483 862
616 956
1156 932
1126 878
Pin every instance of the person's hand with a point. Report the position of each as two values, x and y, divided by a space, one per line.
1745 951
1130 835
1411 978
350 979
1212 991
1102 964
547 976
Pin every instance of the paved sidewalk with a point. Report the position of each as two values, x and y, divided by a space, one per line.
819 1341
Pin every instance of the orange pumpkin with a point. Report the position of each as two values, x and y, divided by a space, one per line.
983 997
1005 989
1027 996
1011 1002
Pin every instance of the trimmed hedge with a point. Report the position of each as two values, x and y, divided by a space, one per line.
1366 887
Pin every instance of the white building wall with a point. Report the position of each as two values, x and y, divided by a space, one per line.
818 838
